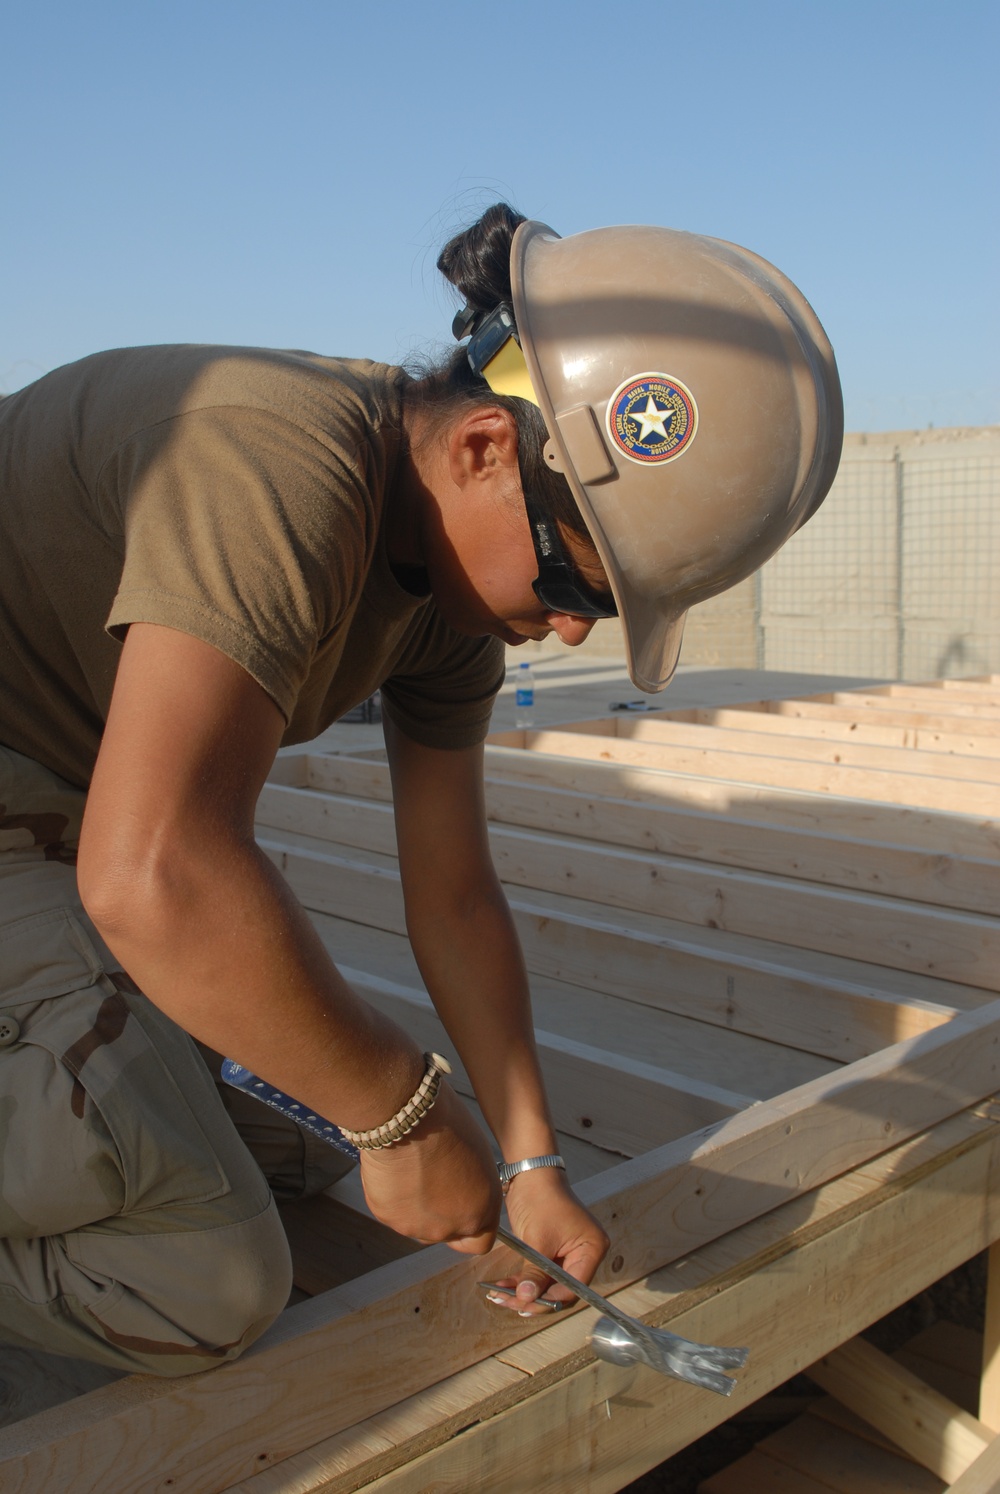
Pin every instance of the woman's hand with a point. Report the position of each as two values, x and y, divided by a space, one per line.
545 1213
440 1183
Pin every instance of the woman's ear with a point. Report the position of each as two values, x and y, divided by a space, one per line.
482 443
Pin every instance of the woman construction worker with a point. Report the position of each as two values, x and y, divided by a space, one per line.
206 553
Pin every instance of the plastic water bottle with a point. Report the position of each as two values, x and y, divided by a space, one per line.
524 698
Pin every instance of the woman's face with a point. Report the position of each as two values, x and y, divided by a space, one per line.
483 566
469 529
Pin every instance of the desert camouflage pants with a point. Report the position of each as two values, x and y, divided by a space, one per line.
136 1227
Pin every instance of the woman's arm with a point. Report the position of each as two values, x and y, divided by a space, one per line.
463 936
171 875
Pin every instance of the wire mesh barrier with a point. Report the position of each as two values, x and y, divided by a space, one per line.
895 577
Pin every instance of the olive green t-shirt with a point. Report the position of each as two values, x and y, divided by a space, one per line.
236 494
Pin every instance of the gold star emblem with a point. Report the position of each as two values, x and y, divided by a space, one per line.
651 420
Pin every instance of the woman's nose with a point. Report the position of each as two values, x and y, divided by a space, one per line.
570 630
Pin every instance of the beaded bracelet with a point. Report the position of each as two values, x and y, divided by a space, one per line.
412 1113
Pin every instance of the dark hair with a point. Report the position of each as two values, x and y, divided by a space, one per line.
477 262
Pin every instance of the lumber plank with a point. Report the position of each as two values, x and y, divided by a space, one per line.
286 1392
769 769
933 717
600 976
929 1357
952 1356
946 943
844 724
837 1009
749 1065
950 834
759 1473
943 707
31 1381
812 1455
923 1422
957 832
943 1355
441 1406
982 1476
953 699
741 737
989 1393
773 1237
785 1272
332 1243
923 875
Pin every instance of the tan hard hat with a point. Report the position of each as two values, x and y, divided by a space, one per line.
692 402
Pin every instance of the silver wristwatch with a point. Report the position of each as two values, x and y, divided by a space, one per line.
510 1170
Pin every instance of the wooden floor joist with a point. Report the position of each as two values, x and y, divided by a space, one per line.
947 944
767 768
829 723
824 853
743 736
953 833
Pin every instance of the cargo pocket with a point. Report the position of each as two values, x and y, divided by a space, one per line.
94 1125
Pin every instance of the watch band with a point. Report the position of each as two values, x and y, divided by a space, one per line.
509 1170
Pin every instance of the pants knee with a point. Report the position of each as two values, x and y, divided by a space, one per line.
192 1300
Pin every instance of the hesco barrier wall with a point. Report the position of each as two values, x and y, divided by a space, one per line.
898 575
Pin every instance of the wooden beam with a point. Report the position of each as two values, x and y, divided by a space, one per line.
925 1424
989 1390
953 713
777 998
920 875
947 944
332 1243
982 1476
859 783
834 724
747 1064
918 717
803 748
955 699
951 834
748 985
322 1368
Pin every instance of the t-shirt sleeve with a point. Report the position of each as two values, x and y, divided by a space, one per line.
442 693
242 530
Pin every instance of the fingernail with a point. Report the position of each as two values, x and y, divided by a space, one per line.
496 1298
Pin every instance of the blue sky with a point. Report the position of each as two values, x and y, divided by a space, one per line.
282 172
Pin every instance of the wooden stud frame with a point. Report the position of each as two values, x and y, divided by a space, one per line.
833 926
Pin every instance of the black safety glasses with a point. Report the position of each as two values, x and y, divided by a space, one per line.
559 585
